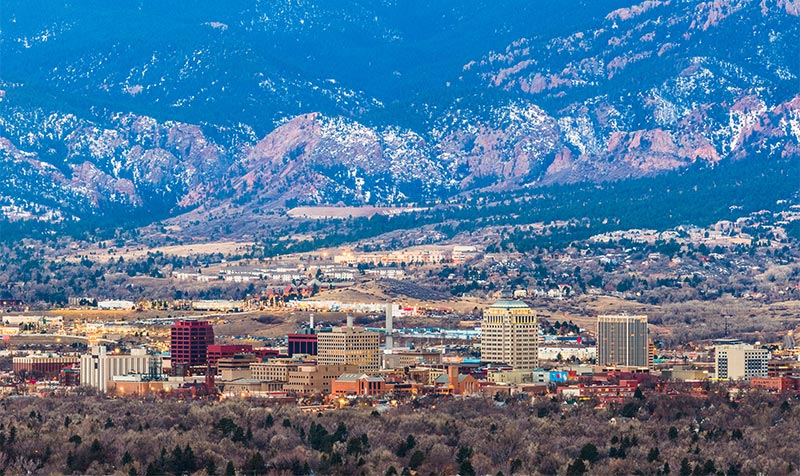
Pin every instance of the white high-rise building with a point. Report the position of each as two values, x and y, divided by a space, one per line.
740 362
510 335
99 366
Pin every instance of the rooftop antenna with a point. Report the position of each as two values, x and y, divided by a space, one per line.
730 311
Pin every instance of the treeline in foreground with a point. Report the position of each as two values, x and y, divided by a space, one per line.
655 434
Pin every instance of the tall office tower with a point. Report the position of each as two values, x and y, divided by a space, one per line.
349 345
622 341
510 334
189 341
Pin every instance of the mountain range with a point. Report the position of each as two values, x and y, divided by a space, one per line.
150 109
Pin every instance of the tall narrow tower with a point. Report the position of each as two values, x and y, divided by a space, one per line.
389 329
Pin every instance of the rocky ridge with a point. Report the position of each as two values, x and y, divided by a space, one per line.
650 87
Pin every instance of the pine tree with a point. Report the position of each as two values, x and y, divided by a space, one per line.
269 421
577 468
416 459
189 460
256 465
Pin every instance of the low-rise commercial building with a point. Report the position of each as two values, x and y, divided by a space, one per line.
302 343
70 377
550 376
782 368
248 387
456 383
684 374
605 393
141 385
775 384
236 367
400 358
509 376
425 375
358 384
42 366
214 352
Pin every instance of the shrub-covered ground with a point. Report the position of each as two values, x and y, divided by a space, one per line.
656 434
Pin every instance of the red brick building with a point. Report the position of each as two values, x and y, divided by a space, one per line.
264 353
189 341
302 344
456 383
221 351
42 366
358 384
775 384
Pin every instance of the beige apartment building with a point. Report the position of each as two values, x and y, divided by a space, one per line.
349 345
310 378
236 367
274 369
510 334
399 358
